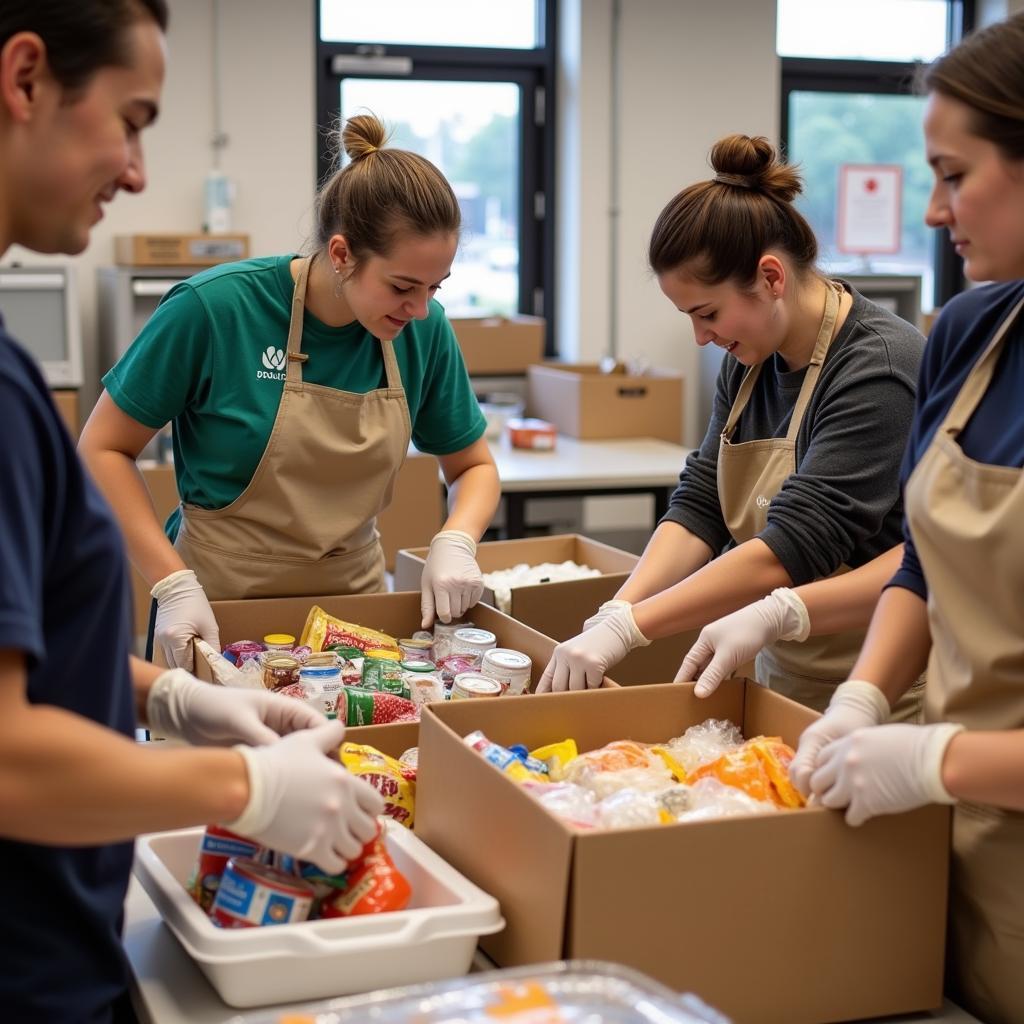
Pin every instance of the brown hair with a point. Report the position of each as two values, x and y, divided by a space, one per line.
721 228
986 72
382 193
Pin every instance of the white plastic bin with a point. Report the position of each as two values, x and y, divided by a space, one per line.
433 938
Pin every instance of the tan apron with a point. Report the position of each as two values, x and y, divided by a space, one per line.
306 524
967 522
750 475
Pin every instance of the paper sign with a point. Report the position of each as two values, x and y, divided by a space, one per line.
870 201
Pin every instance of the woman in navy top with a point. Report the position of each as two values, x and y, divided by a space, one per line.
78 84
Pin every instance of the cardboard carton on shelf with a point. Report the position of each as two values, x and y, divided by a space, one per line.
586 403
788 917
500 344
157 249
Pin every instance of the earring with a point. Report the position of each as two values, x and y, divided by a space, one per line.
337 283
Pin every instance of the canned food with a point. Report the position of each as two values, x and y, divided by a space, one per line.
469 685
322 659
510 668
415 649
425 687
279 641
280 670
473 641
216 848
444 634
251 894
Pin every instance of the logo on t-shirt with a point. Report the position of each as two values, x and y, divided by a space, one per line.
273 359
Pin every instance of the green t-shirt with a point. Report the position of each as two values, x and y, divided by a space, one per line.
201 362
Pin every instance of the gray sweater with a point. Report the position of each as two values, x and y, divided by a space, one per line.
843 504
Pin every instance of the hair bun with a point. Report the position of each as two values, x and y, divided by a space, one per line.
755 160
362 135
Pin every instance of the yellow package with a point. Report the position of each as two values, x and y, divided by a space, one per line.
556 756
394 780
677 770
322 631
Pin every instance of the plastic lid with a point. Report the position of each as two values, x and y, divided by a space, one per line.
279 639
418 666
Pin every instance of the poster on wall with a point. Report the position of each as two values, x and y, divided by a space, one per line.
870 199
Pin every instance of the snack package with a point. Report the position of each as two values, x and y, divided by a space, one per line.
622 764
502 758
573 804
556 756
323 630
357 706
631 808
395 781
375 886
387 676
760 768
701 744
708 798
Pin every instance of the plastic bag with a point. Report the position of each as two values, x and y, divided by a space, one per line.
573 804
631 808
323 630
760 768
622 764
708 798
394 780
357 706
375 886
703 743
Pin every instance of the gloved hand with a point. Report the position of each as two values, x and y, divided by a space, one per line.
580 663
452 582
604 611
303 802
182 612
855 705
205 714
730 641
884 770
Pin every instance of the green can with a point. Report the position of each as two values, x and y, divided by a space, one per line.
384 677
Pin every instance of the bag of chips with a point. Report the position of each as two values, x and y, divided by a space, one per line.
395 781
322 631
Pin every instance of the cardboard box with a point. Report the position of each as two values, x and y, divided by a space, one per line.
559 610
583 402
166 250
416 511
67 405
395 614
789 917
500 344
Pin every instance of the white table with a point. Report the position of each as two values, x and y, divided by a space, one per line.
633 465
170 989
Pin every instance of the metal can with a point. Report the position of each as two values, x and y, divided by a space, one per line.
510 668
280 670
474 641
216 848
251 894
279 642
416 649
470 685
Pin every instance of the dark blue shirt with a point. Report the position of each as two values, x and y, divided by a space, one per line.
64 603
995 432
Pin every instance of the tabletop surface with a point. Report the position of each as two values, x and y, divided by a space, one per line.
170 988
580 465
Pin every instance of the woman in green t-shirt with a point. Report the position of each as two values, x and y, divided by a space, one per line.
294 386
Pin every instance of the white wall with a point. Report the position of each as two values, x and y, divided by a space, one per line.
688 73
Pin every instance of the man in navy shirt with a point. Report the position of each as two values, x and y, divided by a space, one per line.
78 83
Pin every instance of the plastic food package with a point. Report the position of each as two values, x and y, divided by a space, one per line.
573 804
504 581
703 743
622 764
760 768
502 758
708 798
370 707
631 808
394 780
322 630
556 756
375 886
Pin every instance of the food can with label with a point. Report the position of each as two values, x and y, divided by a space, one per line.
510 668
416 649
216 848
474 642
279 642
470 685
251 894
279 671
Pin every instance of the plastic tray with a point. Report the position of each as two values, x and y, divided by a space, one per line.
566 992
433 938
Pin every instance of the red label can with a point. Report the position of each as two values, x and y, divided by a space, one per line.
218 846
251 894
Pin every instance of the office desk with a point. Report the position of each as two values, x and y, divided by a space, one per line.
578 469
168 988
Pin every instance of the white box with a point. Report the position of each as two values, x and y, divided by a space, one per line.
433 938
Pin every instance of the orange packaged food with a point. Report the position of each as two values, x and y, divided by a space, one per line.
760 768
374 886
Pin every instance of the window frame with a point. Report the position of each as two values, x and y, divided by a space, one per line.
884 78
535 72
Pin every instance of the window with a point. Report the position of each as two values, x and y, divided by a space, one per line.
471 92
848 98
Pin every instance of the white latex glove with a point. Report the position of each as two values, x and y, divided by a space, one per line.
182 612
452 582
855 705
884 770
303 802
581 663
205 714
734 639
604 611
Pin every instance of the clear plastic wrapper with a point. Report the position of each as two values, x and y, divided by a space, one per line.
760 767
708 798
566 992
631 808
573 804
622 764
703 743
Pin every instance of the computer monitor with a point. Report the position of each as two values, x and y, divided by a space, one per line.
40 311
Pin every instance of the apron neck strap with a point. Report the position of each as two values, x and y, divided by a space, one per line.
295 358
821 344
979 378
387 349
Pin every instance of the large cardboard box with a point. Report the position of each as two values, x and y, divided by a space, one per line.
788 917
176 250
416 510
583 402
499 344
67 405
558 610
395 614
